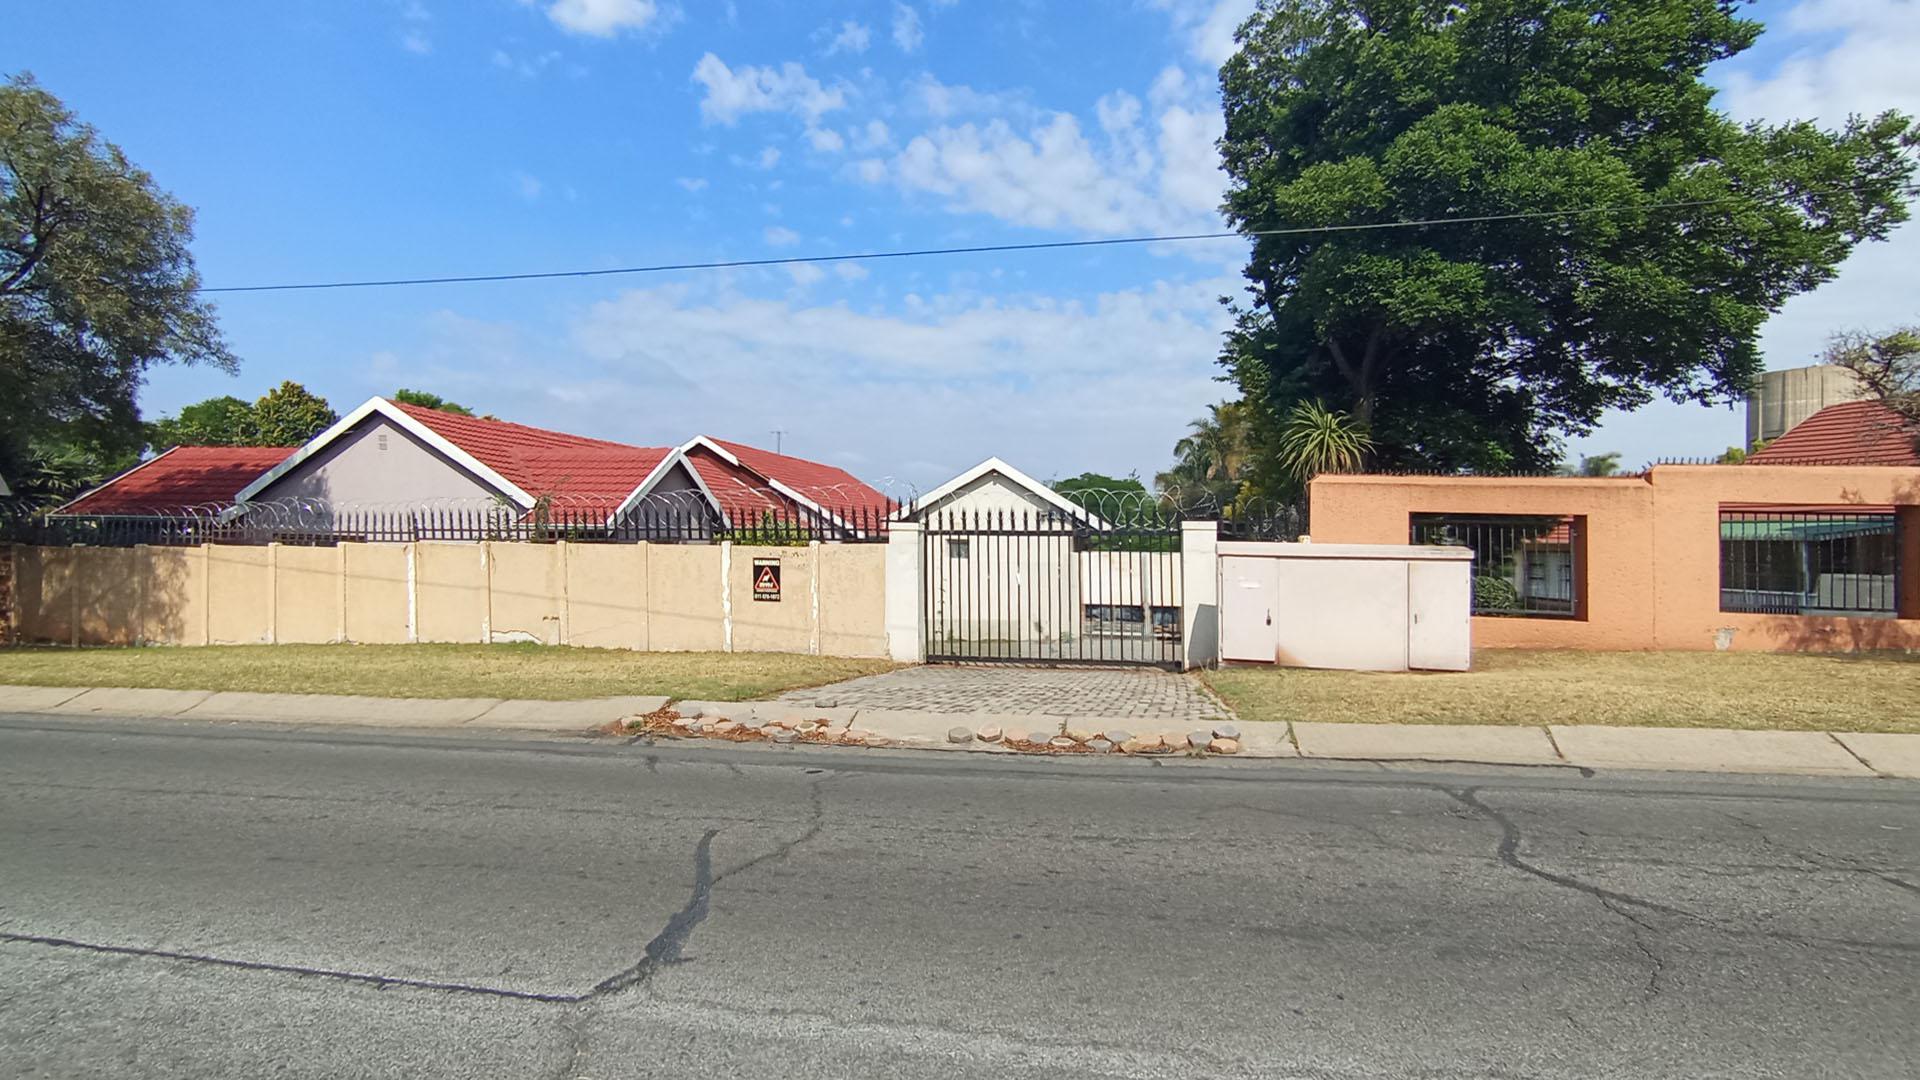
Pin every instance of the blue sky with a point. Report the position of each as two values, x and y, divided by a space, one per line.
322 139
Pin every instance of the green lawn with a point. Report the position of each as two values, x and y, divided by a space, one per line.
1878 692
433 671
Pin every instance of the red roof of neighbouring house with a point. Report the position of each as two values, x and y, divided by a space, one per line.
185 477
1851 433
832 488
541 462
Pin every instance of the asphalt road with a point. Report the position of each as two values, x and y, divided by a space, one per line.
200 901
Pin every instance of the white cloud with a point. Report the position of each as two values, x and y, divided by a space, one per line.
769 157
527 67
825 140
804 274
1868 70
938 383
850 271
732 93
1207 25
413 37
848 37
907 31
527 185
693 183
603 18
873 136
870 170
780 236
1054 176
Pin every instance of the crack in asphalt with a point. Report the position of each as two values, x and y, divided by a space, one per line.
1509 853
663 949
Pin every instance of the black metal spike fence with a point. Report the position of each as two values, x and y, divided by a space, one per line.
763 517
767 519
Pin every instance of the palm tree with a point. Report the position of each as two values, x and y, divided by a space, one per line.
1213 454
1314 439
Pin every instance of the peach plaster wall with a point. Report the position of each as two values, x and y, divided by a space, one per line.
1652 565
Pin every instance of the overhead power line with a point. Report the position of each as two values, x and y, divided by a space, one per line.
985 249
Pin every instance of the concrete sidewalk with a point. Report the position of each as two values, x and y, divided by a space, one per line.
1567 745
327 708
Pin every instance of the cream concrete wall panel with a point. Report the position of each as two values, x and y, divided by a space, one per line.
607 595
376 593
528 587
451 590
239 595
306 595
785 625
683 598
853 599
109 584
43 596
173 606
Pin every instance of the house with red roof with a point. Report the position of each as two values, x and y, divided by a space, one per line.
1851 433
386 456
185 479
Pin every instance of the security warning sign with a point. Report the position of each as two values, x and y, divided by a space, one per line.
766 579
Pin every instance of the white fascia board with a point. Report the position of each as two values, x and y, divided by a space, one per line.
677 456
406 423
995 465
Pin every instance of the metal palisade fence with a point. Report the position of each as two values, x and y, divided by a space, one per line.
746 516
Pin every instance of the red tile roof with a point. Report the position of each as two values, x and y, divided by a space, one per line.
541 462
185 477
1851 433
834 489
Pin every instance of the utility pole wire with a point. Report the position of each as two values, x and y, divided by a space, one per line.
984 249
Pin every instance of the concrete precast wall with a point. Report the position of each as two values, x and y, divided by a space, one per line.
1651 564
660 597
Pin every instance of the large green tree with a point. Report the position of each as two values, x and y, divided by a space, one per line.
96 285
427 400
220 421
288 415
1630 238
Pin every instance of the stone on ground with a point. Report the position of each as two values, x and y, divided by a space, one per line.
1117 735
1061 742
1226 729
1224 746
1079 734
1099 746
1199 737
959 735
988 733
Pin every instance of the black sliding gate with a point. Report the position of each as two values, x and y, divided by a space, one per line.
1049 587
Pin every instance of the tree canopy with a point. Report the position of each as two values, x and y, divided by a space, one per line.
96 285
1099 483
1608 236
429 401
1888 366
287 415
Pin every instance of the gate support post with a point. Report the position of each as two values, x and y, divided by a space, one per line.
1199 593
906 613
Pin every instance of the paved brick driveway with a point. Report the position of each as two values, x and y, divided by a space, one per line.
1131 693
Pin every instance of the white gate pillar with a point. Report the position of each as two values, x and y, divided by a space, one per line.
906 614
1199 593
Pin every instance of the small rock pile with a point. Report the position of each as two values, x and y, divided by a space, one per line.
796 727
1221 738
669 723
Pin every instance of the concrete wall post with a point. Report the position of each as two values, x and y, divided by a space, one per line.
1200 593
906 614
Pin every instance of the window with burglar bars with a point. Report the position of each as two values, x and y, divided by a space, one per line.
1523 565
1809 562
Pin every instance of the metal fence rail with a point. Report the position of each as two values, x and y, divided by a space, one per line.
674 519
1788 562
1523 565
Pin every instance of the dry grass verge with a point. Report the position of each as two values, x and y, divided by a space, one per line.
433 671
1752 691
